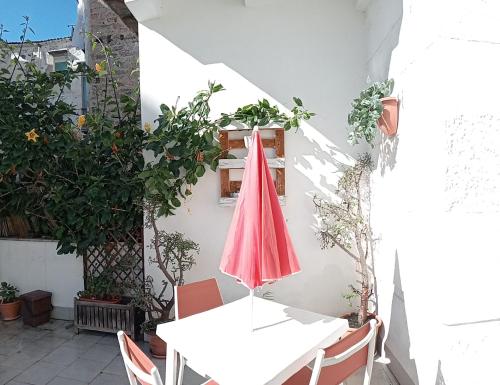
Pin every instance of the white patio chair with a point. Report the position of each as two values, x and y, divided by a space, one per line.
140 369
195 298
336 363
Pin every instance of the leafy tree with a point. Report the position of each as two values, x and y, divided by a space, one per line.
344 223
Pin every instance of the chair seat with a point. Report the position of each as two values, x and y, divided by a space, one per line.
302 377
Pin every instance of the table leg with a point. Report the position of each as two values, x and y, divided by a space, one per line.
171 366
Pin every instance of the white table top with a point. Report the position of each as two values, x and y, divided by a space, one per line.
220 342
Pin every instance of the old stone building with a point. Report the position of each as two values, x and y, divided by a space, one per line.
113 24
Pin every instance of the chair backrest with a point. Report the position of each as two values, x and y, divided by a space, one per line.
343 358
196 297
139 367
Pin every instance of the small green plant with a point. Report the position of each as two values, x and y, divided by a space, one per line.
7 292
150 325
366 110
101 287
262 113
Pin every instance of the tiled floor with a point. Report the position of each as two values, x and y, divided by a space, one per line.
51 354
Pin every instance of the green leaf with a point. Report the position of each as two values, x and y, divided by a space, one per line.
200 170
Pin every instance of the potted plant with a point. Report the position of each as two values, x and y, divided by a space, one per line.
373 108
10 305
173 254
344 223
101 288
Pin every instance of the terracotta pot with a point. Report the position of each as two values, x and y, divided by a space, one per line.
10 311
370 316
388 122
157 346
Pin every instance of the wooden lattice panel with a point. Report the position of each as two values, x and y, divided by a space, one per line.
228 187
126 254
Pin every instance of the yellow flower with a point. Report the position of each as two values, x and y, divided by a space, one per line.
147 127
32 136
81 121
98 67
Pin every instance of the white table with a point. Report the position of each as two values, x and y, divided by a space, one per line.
219 342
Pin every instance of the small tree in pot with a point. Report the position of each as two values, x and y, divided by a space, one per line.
173 254
345 224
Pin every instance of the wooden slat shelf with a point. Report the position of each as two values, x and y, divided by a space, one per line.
230 188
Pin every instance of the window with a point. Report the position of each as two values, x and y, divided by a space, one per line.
61 66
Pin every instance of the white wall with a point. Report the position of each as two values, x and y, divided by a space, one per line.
314 50
436 189
35 265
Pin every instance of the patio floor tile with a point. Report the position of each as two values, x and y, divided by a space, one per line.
75 345
109 379
8 373
40 373
17 383
82 370
116 367
23 359
108 339
65 381
62 356
101 353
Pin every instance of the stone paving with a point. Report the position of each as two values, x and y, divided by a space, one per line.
52 354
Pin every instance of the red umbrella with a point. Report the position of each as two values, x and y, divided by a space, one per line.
258 247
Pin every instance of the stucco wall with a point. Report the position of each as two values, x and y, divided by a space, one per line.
314 50
435 191
34 264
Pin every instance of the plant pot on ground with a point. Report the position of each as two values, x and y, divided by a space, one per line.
10 305
173 255
157 346
353 319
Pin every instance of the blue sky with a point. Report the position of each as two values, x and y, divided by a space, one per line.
48 18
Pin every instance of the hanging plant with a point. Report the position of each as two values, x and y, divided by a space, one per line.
367 110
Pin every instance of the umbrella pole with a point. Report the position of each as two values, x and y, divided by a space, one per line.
251 310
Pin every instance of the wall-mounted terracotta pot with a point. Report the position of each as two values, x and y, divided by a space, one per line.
10 311
388 122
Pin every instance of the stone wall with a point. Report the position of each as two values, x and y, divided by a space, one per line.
104 23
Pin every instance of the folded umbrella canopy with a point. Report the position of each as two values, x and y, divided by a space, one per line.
258 247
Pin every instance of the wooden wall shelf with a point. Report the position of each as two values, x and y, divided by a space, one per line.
230 188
